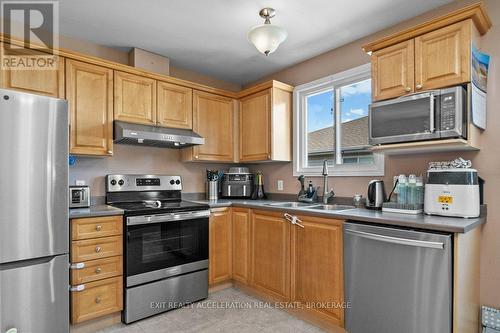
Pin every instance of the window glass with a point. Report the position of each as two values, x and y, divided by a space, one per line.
354 99
320 128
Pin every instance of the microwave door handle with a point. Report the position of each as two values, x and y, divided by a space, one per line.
431 114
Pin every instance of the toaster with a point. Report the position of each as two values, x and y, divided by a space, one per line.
452 192
79 196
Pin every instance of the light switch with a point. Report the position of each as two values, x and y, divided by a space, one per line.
280 185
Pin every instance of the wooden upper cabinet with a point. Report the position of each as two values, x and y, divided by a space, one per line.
135 98
241 246
393 71
255 127
89 90
266 123
270 254
317 261
213 120
442 57
49 82
175 106
220 246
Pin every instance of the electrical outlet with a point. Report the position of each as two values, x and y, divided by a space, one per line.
280 185
79 182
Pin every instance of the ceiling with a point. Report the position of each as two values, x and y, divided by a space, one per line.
210 36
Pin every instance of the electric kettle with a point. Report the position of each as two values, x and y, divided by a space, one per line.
376 194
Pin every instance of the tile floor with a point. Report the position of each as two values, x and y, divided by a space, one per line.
215 314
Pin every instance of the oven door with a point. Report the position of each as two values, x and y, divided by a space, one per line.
409 118
161 246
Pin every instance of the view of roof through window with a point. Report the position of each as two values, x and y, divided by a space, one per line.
354 99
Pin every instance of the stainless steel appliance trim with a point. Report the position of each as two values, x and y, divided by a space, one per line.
397 240
405 98
169 217
163 295
432 116
130 183
460 115
166 272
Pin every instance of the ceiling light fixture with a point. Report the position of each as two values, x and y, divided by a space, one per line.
267 37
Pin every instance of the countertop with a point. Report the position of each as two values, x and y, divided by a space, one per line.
94 210
420 221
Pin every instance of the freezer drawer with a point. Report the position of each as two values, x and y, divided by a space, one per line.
34 296
397 280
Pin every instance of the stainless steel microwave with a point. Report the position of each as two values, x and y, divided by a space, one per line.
433 114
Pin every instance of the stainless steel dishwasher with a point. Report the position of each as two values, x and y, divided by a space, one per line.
397 280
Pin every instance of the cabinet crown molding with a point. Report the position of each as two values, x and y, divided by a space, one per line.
476 12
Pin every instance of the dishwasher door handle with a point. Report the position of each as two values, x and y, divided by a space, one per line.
397 240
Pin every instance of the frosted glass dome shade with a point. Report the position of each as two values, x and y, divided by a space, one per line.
267 37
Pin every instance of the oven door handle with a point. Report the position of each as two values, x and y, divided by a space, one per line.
161 218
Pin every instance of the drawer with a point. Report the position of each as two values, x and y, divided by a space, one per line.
97 248
93 227
96 270
96 299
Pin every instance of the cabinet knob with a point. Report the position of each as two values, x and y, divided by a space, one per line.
98 300
268 157
197 157
98 270
98 227
110 152
419 86
97 249
407 89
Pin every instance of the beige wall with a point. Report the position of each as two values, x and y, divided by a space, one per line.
134 159
487 161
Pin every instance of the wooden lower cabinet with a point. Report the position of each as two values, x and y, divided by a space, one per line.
270 254
241 247
220 246
99 298
316 267
96 267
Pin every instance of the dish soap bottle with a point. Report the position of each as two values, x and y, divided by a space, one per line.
259 193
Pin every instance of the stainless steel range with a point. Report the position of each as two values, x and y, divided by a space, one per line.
166 244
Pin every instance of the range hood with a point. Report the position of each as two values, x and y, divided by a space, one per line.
144 135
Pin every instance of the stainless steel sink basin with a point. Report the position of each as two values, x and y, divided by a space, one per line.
331 207
291 204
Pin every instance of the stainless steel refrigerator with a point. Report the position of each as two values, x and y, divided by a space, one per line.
34 228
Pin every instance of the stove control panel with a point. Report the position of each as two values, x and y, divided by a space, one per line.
131 183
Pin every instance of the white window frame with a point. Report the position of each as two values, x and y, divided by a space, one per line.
300 125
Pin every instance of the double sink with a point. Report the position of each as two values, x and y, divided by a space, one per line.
312 206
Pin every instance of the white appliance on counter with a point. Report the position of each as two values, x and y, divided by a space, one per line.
452 192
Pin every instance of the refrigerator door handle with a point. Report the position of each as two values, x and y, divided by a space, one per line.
397 240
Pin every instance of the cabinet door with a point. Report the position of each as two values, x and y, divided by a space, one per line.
270 254
442 57
220 232
255 127
213 120
89 90
49 82
393 71
135 98
317 274
241 237
175 106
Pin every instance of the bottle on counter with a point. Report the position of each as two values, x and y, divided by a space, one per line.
310 190
402 189
412 189
420 190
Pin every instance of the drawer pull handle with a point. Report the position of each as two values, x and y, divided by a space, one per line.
98 299
98 270
98 227
97 249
